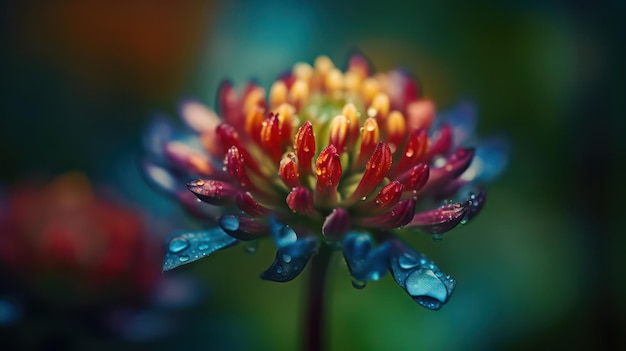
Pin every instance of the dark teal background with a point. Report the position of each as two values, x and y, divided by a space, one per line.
541 267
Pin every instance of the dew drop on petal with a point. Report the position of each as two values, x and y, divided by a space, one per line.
229 223
203 246
424 284
286 258
191 246
178 244
407 261
357 284
279 269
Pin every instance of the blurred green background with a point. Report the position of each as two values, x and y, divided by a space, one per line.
541 267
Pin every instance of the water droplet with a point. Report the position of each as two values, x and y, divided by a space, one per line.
407 261
279 269
203 246
429 303
198 200
286 258
178 244
229 223
464 220
425 284
286 236
184 258
357 284
252 247
363 198
437 237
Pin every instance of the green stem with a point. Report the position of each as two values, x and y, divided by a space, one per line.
314 324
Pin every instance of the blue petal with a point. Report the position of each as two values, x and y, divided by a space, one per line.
365 262
282 234
158 133
462 119
490 160
291 260
187 247
420 277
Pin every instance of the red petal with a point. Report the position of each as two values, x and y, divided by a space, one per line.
439 220
270 137
401 215
234 163
289 171
229 137
455 165
415 152
328 168
305 148
375 171
300 200
415 178
336 224
328 171
247 204
441 142
243 228
213 192
387 198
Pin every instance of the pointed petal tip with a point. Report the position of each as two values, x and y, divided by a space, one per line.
439 220
366 261
183 248
290 260
420 277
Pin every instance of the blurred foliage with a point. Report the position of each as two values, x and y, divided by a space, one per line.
541 265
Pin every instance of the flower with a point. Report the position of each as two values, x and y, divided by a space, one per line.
347 159
69 255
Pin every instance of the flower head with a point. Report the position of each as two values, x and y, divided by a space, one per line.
64 249
349 159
